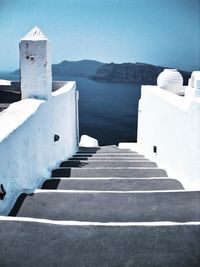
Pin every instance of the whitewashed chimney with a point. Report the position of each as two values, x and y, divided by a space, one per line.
35 65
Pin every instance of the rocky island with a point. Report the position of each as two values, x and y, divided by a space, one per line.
138 73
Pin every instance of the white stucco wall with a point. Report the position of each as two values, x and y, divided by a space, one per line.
172 123
28 152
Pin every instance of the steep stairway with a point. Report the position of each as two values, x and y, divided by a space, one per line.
104 207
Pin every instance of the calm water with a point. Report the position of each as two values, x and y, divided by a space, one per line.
107 111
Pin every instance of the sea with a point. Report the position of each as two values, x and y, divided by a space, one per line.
107 111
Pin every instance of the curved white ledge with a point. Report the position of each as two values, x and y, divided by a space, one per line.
16 115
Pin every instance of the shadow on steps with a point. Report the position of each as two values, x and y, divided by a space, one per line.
18 204
51 184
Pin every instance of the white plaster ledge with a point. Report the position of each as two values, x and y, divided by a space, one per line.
5 82
180 102
65 89
16 114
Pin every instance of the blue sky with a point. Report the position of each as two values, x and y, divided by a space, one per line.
162 32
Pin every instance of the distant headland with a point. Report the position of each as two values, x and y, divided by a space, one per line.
138 73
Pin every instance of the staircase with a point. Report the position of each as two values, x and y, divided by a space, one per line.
104 207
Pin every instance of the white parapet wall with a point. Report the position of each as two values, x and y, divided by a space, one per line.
169 133
28 152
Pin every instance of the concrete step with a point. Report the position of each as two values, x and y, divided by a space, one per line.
112 184
48 243
106 163
106 152
111 206
137 172
105 155
109 158
103 151
107 149
108 155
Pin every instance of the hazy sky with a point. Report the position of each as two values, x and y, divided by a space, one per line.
162 32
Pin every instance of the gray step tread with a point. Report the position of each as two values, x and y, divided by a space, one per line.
105 163
71 245
110 172
107 152
141 158
109 155
103 149
112 184
176 206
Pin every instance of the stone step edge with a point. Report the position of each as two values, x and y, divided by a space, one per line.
104 159
108 168
111 178
110 160
109 156
87 223
58 191
101 147
113 159
105 154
